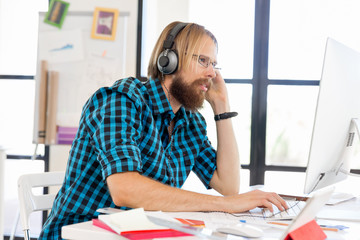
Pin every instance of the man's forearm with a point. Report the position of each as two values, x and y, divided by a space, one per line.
133 190
226 179
130 189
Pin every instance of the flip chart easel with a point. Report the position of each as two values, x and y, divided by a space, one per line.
83 64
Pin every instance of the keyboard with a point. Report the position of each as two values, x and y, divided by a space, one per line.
294 208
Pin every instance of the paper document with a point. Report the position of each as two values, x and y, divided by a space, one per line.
131 220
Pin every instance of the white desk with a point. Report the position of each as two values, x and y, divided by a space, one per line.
212 220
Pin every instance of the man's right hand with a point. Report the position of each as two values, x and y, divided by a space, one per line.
256 198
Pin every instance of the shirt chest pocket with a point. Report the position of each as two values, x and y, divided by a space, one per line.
181 168
185 165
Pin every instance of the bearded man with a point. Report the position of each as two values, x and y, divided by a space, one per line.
138 142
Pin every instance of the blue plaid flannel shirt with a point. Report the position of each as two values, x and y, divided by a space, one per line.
124 128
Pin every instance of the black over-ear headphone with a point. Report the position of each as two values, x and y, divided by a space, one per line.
167 61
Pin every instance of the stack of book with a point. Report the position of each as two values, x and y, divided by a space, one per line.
134 224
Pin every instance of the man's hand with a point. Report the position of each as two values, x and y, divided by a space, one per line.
247 201
217 94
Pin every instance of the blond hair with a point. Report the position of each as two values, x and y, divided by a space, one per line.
186 43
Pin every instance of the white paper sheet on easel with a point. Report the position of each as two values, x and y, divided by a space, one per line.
61 46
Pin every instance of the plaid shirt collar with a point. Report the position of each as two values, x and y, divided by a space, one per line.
161 104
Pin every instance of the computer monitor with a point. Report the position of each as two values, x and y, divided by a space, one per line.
337 118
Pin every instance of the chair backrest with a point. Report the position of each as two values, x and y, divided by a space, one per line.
29 202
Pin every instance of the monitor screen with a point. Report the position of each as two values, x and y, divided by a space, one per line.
335 132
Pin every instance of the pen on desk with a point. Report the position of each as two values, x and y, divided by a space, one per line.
263 224
321 226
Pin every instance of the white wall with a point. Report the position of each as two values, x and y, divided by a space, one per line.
59 154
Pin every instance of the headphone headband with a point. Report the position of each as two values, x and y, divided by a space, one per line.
169 41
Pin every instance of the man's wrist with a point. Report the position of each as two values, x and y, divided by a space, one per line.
220 107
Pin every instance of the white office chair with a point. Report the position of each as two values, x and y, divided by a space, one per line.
29 202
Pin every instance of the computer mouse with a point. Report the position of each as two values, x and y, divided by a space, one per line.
244 230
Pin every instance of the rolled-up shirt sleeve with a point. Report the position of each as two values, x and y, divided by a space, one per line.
114 124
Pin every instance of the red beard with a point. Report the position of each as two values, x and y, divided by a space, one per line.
189 95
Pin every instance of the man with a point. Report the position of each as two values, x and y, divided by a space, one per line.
137 142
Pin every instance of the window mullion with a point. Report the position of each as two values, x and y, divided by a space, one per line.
259 99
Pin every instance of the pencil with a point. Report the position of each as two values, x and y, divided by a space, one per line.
323 228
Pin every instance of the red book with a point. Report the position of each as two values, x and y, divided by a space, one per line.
142 234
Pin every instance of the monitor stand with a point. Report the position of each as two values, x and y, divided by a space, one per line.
342 169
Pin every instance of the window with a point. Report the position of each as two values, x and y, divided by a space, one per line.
298 32
16 124
291 111
271 56
18 50
18 41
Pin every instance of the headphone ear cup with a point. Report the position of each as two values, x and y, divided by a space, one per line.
167 62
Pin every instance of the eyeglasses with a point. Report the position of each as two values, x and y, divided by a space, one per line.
205 61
